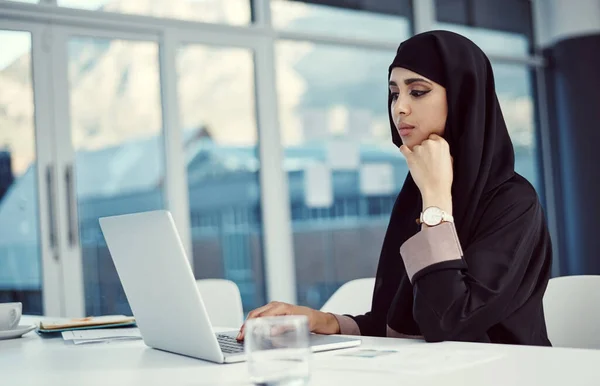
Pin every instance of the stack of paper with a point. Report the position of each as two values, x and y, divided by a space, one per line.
101 336
108 321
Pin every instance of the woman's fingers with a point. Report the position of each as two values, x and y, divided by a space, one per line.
251 315
256 312
271 309
405 150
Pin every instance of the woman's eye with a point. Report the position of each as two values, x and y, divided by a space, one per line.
418 93
394 96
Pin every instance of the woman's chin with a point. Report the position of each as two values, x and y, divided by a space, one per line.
410 142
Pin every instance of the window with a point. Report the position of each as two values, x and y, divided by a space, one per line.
343 170
298 16
116 132
490 41
503 27
344 173
20 259
217 113
213 11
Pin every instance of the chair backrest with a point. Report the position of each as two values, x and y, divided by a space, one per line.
354 298
223 302
572 311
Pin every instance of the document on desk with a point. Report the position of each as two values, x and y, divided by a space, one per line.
102 336
415 360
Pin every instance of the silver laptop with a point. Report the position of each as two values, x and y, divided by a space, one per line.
162 292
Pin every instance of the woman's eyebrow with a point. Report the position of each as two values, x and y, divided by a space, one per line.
413 80
409 81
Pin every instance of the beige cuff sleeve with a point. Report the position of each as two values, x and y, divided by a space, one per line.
347 325
430 246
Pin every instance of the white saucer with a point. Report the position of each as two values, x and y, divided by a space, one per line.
17 332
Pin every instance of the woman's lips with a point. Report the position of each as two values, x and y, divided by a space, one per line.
405 130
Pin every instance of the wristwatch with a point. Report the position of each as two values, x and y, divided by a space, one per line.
433 216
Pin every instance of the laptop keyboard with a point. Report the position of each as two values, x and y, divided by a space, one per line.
230 345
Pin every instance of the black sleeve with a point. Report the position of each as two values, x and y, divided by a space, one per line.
371 324
501 267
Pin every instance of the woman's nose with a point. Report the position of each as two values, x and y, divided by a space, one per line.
401 107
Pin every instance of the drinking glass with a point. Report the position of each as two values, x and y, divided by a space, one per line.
278 350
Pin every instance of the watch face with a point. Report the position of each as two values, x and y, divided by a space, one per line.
432 216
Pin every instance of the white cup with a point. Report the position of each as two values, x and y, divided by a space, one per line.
10 315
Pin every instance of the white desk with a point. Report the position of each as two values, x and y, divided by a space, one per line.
33 360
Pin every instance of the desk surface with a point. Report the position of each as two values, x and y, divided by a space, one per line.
33 360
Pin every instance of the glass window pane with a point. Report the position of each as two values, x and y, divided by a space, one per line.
116 129
302 17
507 15
20 267
514 90
335 129
211 11
491 41
217 112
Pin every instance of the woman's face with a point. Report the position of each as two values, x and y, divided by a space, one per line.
418 106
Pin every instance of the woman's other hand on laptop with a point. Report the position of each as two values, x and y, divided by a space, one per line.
318 322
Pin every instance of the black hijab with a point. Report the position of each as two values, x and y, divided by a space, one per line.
475 130
483 164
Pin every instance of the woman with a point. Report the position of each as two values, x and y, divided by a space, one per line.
467 253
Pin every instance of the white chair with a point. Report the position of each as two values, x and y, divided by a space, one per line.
223 302
354 298
572 311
